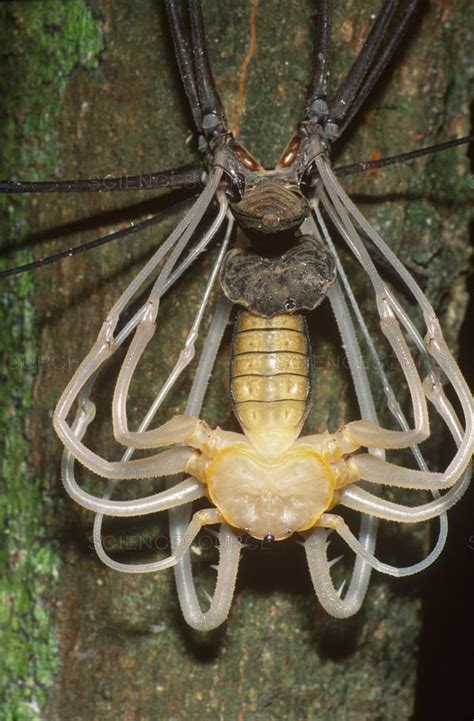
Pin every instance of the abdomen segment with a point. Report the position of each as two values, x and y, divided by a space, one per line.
270 376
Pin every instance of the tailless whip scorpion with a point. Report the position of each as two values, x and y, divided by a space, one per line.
269 481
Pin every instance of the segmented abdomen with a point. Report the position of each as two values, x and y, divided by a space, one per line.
270 371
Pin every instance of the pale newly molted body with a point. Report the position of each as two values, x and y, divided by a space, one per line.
262 482
271 498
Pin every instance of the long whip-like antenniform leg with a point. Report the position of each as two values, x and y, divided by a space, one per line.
210 101
184 57
401 157
118 235
341 104
186 176
187 29
318 87
380 63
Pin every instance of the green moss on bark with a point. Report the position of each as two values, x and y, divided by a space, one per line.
57 37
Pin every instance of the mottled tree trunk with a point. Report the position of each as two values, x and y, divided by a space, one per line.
94 90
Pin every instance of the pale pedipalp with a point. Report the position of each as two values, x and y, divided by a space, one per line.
229 544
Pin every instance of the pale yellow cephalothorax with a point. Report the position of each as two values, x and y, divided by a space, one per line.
267 482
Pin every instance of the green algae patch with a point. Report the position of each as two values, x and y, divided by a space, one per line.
41 45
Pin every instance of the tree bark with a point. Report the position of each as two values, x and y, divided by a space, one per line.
111 102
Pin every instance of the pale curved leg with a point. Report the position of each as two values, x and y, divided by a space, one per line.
184 492
392 403
378 471
143 335
106 345
201 518
166 463
434 391
362 432
361 500
365 433
328 520
338 207
372 469
179 429
181 493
